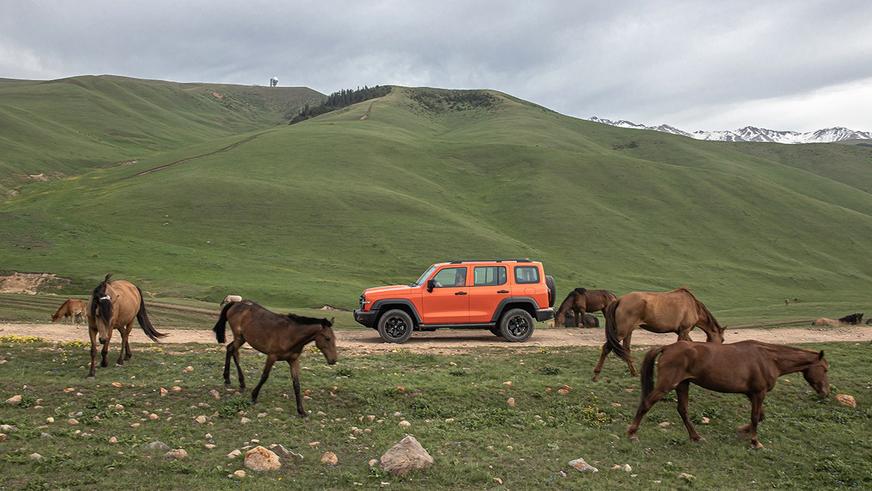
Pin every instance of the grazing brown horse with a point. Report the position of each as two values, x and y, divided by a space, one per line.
114 305
747 367
677 311
280 337
581 301
71 309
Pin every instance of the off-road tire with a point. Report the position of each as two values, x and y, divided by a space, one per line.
395 326
516 325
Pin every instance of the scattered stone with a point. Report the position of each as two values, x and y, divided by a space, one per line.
3 437
686 476
705 420
616 404
407 455
70 389
262 459
372 462
510 402
201 419
215 394
846 400
176 454
134 425
153 417
49 420
234 453
119 407
329 458
176 388
564 390
14 400
314 444
498 481
405 424
208 436
664 424
244 420
188 369
163 392
117 385
370 417
284 453
45 435
113 439
238 474
507 383
72 421
157 445
35 456
581 466
209 446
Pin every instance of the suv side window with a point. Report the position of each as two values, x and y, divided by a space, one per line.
450 277
526 274
489 275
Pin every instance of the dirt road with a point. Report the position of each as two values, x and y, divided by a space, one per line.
447 341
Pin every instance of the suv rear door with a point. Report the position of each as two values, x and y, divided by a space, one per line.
448 303
489 287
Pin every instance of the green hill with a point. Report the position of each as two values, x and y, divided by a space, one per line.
313 213
63 127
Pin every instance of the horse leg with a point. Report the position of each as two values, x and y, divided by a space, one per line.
227 363
125 332
127 354
683 392
92 333
104 353
626 344
602 359
295 374
237 343
265 375
579 318
644 406
756 417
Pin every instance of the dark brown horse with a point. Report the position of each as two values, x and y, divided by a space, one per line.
73 309
114 305
280 337
677 311
747 367
581 301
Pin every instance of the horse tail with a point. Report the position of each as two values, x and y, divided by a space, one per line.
612 339
647 374
221 326
145 322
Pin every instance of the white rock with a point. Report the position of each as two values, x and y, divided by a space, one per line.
176 454
49 420
329 458
510 402
407 455
234 453
14 401
244 420
35 456
262 459
239 474
405 424
581 466
201 419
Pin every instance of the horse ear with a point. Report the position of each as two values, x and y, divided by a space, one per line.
821 355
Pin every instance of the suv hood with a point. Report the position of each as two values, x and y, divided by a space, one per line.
386 289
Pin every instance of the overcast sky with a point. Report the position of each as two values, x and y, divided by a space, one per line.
697 65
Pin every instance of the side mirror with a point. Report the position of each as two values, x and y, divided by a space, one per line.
431 284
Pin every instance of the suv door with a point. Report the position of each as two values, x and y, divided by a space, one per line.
448 303
489 287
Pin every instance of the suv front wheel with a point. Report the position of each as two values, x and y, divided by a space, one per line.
516 325
395 326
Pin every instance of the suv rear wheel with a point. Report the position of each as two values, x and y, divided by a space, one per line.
516 325
395 326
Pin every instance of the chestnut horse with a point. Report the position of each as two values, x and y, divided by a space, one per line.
71 309
280 337
677 311
581 301
114 305
747 367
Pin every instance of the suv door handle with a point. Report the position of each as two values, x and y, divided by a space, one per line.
460 293
502 291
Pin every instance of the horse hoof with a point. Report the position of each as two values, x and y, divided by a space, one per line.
697 439
756 445
303 414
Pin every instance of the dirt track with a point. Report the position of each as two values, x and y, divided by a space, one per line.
446 341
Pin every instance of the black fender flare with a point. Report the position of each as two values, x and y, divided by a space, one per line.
385 303
501 307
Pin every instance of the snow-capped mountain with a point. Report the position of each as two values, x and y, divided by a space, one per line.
751 133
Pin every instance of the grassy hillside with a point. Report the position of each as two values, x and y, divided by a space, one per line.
313 213
63 127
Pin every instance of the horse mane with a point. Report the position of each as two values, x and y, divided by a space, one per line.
580 291
57 313
301 319
702 307
97 300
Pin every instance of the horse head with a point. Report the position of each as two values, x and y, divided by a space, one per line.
325 340
816 375
101 309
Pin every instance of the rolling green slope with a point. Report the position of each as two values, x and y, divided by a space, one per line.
312 213
63 127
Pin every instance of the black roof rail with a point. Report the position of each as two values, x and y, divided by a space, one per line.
517 260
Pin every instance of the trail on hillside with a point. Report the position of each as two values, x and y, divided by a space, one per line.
454 341
195 157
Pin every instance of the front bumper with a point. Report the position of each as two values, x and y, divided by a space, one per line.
368 318
544 314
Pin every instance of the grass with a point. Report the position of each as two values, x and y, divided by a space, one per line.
313 213
457 408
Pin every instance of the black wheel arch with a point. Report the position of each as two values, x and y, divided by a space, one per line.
401 304
507 304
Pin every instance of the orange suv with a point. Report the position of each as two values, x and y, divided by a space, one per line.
502 295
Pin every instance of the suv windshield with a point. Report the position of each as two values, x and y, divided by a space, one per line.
423 277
